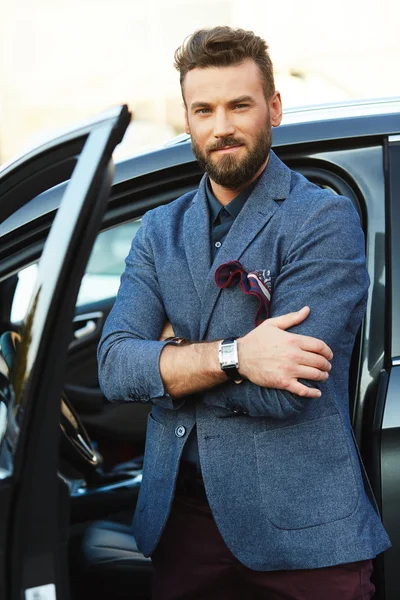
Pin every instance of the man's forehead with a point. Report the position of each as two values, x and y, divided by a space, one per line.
204 84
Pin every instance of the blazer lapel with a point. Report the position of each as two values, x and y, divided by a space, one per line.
196 238
260 207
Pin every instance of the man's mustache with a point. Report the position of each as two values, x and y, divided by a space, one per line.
224 143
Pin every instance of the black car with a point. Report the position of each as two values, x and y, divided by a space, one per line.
70 462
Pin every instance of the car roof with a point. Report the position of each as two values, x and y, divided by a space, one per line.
303 125
342 110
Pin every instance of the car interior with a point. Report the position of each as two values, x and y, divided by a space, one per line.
102 443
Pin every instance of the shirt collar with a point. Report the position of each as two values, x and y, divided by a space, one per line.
234 206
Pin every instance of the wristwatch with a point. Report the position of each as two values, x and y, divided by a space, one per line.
228 359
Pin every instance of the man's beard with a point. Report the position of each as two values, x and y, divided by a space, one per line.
228 171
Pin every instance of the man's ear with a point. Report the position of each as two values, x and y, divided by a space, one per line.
275 109
187 128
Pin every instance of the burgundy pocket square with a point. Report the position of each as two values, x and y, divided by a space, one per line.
255 283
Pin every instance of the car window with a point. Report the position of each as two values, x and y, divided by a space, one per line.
106 263
102 275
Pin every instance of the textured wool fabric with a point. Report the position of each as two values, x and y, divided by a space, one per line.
281 472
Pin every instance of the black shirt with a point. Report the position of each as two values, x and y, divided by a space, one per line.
222 217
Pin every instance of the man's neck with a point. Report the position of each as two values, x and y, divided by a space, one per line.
225 195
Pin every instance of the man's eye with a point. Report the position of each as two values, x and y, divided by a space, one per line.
241 106
202 111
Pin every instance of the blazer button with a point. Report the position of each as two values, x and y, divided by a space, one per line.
180 431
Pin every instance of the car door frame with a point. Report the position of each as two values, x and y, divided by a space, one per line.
386 429
34 561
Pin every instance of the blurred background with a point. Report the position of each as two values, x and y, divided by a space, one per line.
61 61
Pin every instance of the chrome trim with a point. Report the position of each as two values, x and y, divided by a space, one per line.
396 362
86 330
91 323
88 316
393 138
3 420
83 490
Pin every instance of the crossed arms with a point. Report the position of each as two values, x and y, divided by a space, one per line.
324 269
269 357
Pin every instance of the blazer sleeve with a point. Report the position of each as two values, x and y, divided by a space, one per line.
128 354
324 268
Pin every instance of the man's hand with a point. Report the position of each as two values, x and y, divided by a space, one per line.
271 357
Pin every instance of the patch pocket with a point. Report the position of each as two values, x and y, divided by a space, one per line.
306 475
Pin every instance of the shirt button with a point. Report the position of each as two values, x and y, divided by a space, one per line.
180 431
218 244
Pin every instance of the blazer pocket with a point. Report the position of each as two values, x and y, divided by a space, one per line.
306 474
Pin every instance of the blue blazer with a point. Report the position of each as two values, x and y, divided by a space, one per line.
282 473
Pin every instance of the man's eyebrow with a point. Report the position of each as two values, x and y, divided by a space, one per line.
241 99
199 105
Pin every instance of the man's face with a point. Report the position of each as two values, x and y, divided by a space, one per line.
230 121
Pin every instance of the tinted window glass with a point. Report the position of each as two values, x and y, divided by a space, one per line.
101 279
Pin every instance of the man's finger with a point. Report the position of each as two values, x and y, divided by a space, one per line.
303 390
302 372
311 359
310 344
289 320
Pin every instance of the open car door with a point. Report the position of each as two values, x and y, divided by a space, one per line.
33 498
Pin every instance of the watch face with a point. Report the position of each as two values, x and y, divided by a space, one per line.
229 359
227 355
226 351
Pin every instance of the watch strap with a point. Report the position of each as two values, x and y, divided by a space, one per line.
178 341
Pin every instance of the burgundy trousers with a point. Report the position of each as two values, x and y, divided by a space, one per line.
192 562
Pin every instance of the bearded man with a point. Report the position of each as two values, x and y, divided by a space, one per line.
252 486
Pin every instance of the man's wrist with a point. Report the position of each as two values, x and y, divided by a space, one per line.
240 341
189 368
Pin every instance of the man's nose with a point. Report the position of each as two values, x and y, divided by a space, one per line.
223 124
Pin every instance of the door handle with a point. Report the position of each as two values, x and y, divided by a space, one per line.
87 329
86 326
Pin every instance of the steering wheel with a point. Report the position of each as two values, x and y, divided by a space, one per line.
75 444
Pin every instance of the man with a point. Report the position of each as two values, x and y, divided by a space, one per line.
252 487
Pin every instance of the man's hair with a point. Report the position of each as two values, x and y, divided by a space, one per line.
224 47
